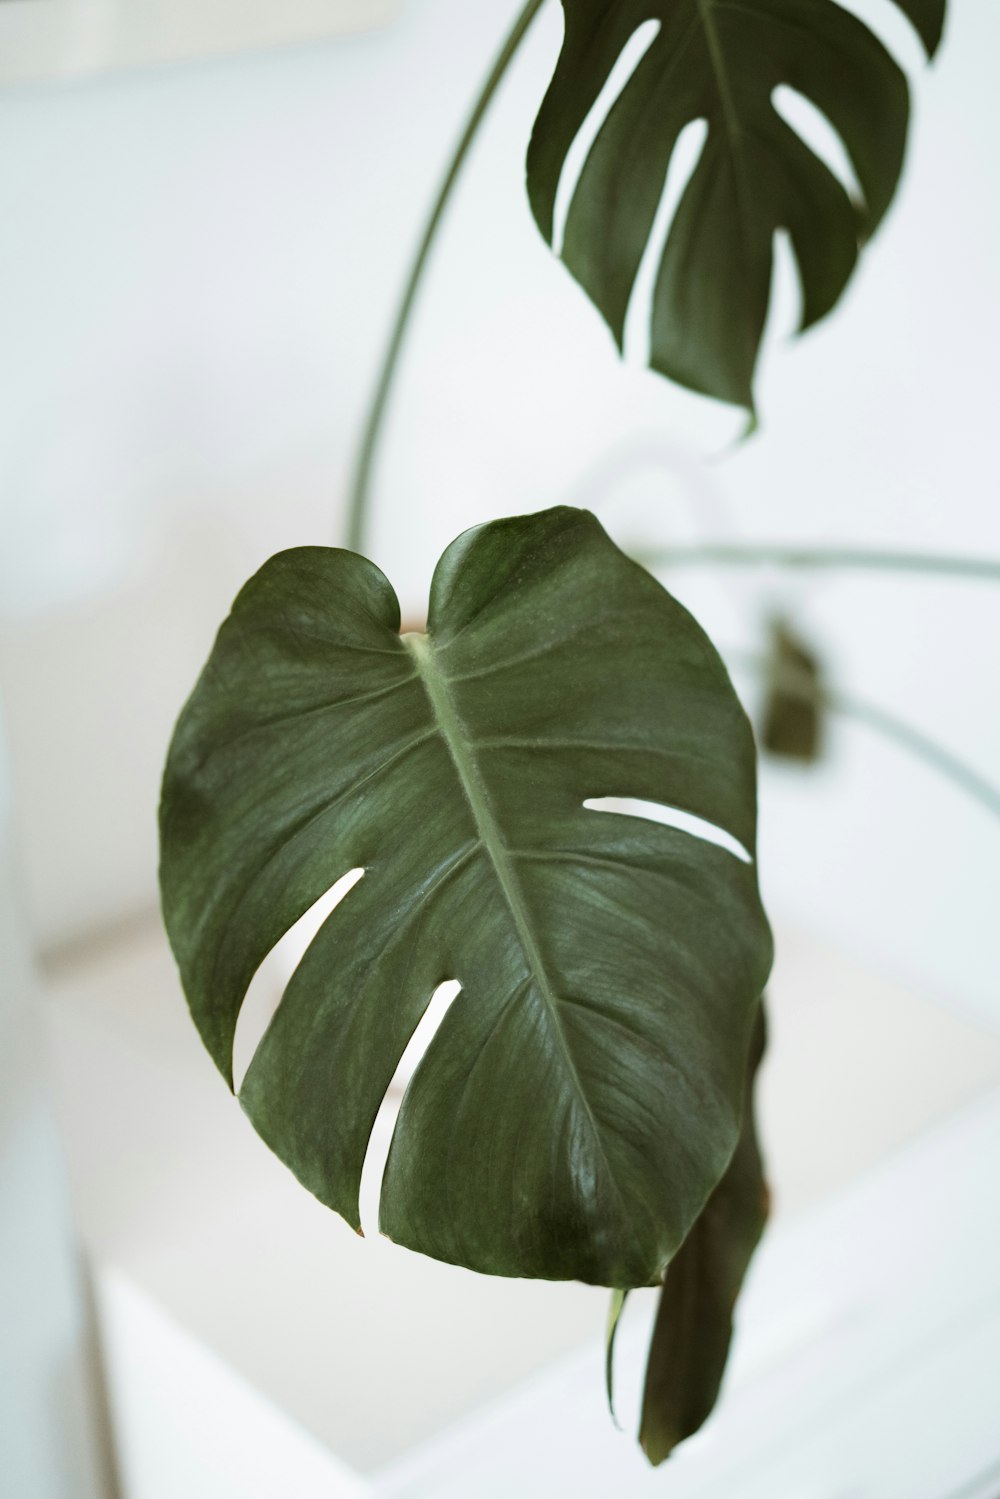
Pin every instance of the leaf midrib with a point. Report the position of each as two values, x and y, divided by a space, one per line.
730 114
491 838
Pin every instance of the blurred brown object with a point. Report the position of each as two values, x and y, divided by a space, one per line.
792 718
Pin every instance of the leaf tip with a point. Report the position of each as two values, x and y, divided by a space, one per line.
618 1299
657 1446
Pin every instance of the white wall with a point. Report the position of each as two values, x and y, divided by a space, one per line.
197 269
69 38
48 1426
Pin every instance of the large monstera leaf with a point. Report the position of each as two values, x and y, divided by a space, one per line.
720 61
584 1093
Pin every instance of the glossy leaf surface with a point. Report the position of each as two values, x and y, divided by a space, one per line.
694 1320
720 62
583 1094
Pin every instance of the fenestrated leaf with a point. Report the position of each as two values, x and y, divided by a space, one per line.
719 61
694 1320
583 1094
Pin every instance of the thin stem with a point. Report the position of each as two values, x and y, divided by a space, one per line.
798 684
770 554
926 749
358 508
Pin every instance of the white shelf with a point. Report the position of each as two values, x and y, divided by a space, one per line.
251 1334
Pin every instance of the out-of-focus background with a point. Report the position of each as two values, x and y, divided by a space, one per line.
206 215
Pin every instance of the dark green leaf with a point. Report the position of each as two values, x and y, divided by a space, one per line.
694 1321
719 61
583 1094
793 714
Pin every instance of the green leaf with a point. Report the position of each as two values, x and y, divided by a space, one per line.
792 717
719 61
694 1321
583 1094
615 1309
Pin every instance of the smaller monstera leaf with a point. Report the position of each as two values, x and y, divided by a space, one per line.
720 61
694 1320
583 1094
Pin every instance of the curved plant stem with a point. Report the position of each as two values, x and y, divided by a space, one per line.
901 733
926 749
358 505
768 554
